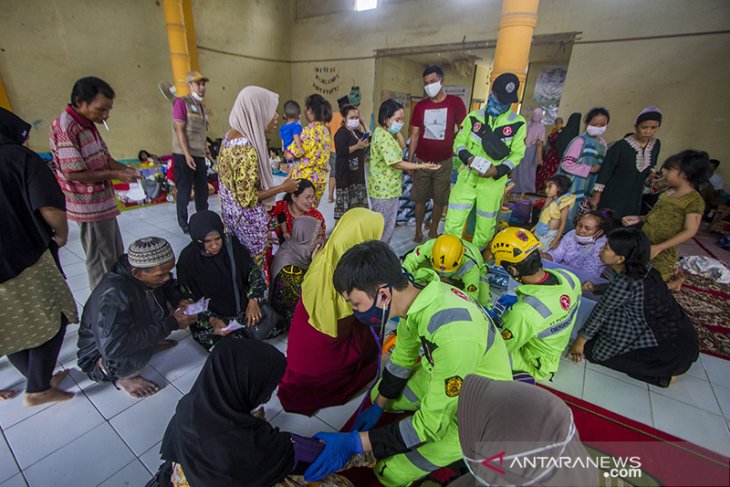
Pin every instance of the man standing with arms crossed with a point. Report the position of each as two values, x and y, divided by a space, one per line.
84 170
189 148
434 124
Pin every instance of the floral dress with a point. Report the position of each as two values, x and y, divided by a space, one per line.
243 214
314 161
286 290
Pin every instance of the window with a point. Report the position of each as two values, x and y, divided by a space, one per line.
361 5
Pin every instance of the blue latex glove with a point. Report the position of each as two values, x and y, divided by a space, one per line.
503 304
338 449
368 418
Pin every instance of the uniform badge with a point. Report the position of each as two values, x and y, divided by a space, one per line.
510 87
507 131
565 302
477 126
472 288
453 386
506 334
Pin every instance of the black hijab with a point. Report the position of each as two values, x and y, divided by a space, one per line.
26 186
209 276
213 435
568 133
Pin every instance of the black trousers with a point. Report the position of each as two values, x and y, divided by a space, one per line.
185 180
37 364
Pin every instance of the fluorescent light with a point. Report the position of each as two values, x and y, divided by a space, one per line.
361 5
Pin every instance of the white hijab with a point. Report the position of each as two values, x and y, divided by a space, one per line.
252 111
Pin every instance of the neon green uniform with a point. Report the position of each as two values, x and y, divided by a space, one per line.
456 338
471 188
472 273
537 328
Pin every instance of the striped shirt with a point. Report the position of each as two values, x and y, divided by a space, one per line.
77 146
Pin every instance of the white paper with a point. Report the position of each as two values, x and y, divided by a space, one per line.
481 164
233 325
197 307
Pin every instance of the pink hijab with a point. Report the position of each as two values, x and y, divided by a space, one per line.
535 129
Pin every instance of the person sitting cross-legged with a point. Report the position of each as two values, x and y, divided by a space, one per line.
128 314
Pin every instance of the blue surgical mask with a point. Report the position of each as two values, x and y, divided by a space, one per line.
495 108
375 316
395 127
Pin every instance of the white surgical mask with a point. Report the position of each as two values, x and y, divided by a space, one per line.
584 240
395 127
196 96
353 123
432 89
594 131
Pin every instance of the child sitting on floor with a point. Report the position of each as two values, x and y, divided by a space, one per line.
677 215
554 215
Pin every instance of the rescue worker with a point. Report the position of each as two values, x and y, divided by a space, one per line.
491 143
537 322
457 338
457 262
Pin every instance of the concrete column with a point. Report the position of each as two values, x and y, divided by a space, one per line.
514 38
178 43
190 34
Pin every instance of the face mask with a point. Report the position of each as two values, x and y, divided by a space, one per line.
562 444
374 316
584 240
494 107
353 124
432 89
594 131
196 96
395 127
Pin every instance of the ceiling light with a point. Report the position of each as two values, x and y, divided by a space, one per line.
361 5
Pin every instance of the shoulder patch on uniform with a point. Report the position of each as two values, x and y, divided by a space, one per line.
460 293
453 386
565 302
472 288
506 334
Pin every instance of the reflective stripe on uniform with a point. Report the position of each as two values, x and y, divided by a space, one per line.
538 306
475 137
459 206
566 276
408 433
409 394
465 268
481 113
512 116
398 370
486 214
415 457
558 327
509 164
492 335
484 279
459 149
446 316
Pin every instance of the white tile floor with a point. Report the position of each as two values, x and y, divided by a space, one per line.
104 437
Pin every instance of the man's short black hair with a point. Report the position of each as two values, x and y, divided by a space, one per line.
531 265
433 69
368 267
87 88
291 109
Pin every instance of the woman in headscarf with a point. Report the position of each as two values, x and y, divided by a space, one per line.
204 271
290 265
36 304
620 183
213 439
525 422
557 143
525 173
247 184
329 357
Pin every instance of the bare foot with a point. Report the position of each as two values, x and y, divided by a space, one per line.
675 285
432 235
138 386
418 238
8 394
673 380
53 394
58 377
163 345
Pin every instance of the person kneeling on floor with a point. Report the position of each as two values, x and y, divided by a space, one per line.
458 262
537 322
129 314
457 338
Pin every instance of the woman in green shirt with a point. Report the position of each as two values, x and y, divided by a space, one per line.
387 164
